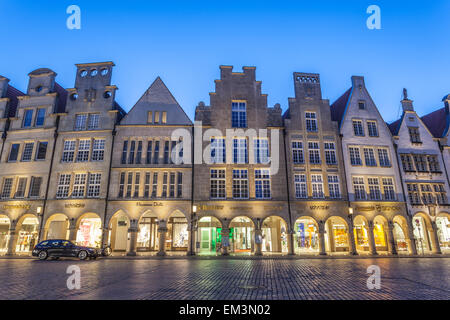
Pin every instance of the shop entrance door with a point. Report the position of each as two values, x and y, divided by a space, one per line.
205 240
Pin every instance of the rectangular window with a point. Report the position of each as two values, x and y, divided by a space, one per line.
149 152
164 117
150 117
137 183
98 150
358 128
7 188
383 158
420 162
147 185
407 163
156 116
41 150
388 188
414 135
40 117
355 157
63 186
35 187
164 185
84 147
21 185
179 185
240 150
314 152
359 188
333 186
172 185
139 153
297 152
121 184
433 164
218 150
129 184
156 155
261 150
330 153
361 105
166 152
372 128
413 193
440 194
369 157
427 194
317 186
79 185
93 121
262 184
239 114
374 189
217 181
300 186
14 152
124 152
80 121
28 151
132 149
240 184
94 185
28 116
155 184
311 121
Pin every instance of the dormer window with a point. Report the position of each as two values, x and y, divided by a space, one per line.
362 105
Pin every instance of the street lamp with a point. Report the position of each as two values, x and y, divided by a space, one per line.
39 210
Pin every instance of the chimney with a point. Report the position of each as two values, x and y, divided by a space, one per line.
407 104
446 101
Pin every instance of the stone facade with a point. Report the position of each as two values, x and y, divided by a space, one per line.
242 179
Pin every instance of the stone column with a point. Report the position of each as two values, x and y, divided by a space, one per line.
372 246
73 230
258 242
291 243
133 230
105 236
435 239
410 238
322 251
225 241
390 238
162 230
191 243
12 239
351 238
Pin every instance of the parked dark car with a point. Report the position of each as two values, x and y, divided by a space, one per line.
63 248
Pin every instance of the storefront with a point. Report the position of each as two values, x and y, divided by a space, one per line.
380 237
147 239
306 236
177 238
209 236
361 235
57 227
28 235
337 234
399 238
241 235
118 234
421 234
443 226
90 231
4 234
274 235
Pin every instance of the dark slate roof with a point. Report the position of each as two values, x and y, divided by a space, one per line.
62 98
338 107
12 93
436 122
395 126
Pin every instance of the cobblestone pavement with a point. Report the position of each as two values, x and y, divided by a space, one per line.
232 279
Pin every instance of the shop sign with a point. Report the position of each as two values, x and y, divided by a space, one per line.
210 207
151 204
16 206
319 207
74 205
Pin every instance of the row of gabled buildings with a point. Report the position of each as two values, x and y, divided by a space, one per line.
243 178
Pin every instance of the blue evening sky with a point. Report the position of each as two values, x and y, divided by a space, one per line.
184 42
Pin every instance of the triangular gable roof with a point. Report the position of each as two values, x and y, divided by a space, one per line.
339 106
157 98
395 126
12 93
436 122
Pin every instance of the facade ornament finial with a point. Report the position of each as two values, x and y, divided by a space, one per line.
405 94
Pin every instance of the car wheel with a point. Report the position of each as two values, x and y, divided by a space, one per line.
82 255
43 255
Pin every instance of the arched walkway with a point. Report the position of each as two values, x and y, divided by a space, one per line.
27 233
422 225
306 236
177 237
361 231
57 227
209 235
337 239
274 235
400 232
118 232
148 235
242 231
89 230
443 229
379 233
4 233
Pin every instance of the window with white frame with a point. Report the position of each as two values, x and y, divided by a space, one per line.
261 151
68 151
93 121
240 154
79 185
62 190
383 157
7 188
297 152
95 180
355 157
359 188
314 152
80 121
84 147
218 150
28 151
311 121
217 181
369 157
239 114
98 150
372 128
333 186
388 188
300 186
330 153
317 186
240 184
374 189
358 128
262 184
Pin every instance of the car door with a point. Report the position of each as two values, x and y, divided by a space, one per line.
68 248
54 248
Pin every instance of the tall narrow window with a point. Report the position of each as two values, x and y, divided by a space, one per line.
261 151
217 184
93 121
300 186
238 114
358 128
147 185
21 185
121 184
414 135
63 186
98 150
150 117
359 188
149 152
35 187
374 189
28 116
7 188
156 155
218 150
179 184
317 186
383 158
94 185
28 151
155 184
164 185
240 184
137 183
41 150
164 117
124 152
297 152
129 184
372 128
314 152
413 193
40 117
330 153
156 116
262 184
83 150
173 152
407 163
139 153
433 164
240 154
80 121
311 121
132 149
172 185
369 157
333 186
388 188
79 185
355 157
166 152
14 152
